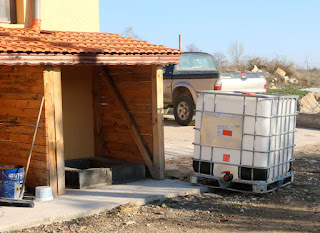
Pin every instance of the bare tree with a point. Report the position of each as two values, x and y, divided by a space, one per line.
128 32
193 48
220 59
236 51
306 63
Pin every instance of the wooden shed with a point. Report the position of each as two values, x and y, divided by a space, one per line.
103 97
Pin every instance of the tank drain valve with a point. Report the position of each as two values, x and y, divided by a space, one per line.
227 176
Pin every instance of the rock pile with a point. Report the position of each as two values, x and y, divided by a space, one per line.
283 77
256 69
279 75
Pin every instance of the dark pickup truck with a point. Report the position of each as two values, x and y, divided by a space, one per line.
197 71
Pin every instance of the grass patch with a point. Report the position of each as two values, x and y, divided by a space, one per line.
77 220
298 92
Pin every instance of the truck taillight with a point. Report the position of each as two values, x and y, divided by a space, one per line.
217 87
265 86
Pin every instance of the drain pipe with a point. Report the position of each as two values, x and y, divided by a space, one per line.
36 19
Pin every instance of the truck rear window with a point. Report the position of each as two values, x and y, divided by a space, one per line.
195 63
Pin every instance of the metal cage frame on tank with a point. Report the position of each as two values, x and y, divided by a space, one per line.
276 142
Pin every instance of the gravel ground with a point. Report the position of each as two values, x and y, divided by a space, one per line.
294 208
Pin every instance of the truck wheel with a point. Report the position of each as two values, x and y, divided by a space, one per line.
183 110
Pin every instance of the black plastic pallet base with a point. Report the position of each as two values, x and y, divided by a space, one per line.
212 182
255 174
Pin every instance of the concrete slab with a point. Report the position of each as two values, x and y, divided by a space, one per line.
84 202
314 90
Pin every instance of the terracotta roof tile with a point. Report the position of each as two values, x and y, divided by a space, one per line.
27 40
26 46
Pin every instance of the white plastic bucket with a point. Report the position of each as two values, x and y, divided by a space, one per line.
43 193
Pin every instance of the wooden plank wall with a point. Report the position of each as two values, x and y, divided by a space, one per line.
21 91
134 84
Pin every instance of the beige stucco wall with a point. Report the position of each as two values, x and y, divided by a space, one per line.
60 15
77 111
70 15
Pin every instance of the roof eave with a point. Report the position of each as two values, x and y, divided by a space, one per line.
34 59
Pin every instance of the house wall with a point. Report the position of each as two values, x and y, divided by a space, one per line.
62 15
70 15
77 111
134 84
21 91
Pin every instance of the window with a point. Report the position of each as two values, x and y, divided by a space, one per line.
8 11
195 62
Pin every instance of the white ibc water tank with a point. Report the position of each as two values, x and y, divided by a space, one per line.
250 136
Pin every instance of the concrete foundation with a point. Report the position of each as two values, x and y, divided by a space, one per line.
308 120
91 172
83 202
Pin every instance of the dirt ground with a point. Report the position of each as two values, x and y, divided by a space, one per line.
294 208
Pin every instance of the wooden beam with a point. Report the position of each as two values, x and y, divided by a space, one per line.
158 122
54 123
142 145
57 91
96 93
88 59
50 124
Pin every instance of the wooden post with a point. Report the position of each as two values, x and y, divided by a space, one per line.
50 124
57 90
54 124
158 122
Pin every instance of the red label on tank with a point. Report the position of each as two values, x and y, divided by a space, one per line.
226 158
227 133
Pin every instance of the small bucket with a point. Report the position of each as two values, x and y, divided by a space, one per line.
11 180
43 193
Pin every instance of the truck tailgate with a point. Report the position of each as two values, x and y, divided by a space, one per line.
249 82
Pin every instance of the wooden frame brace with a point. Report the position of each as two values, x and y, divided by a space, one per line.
142 145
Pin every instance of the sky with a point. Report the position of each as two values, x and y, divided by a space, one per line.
285 29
